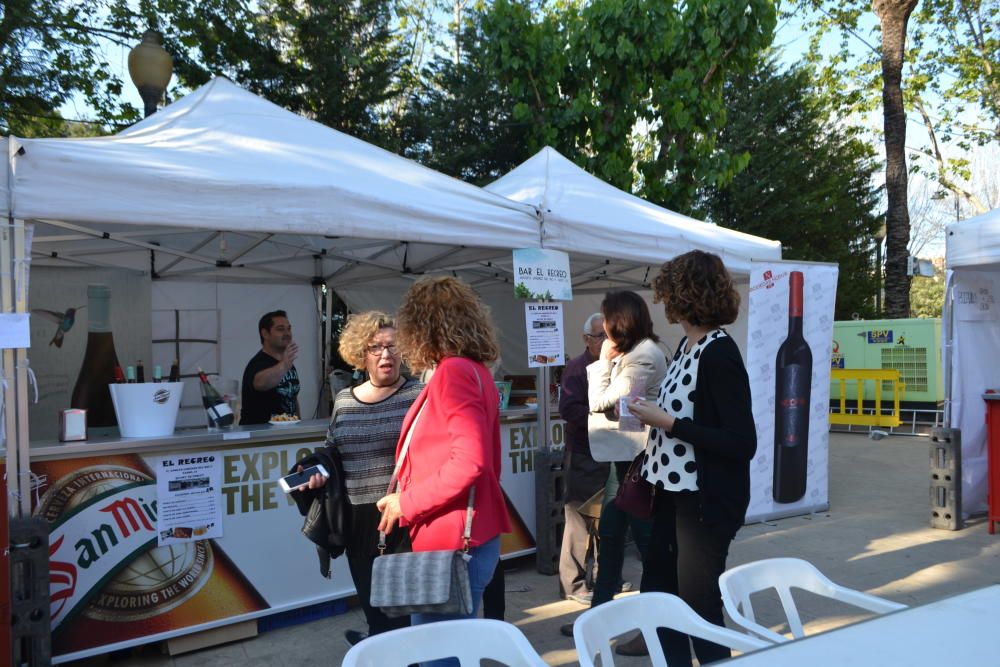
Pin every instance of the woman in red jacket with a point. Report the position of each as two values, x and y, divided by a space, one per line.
455 423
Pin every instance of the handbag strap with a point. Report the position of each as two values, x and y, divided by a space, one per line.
394 480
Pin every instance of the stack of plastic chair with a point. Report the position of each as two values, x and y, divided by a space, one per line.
782 575
594 629
469 640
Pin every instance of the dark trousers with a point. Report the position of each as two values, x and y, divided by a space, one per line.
611 532
494 595
685 557
361 572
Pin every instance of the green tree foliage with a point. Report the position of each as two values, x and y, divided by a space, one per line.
808 183
927 294
335 61
460 120
50 54
951 79
588 77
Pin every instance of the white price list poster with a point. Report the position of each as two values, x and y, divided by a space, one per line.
188 498
546 345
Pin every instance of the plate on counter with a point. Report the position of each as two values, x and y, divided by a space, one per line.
284 422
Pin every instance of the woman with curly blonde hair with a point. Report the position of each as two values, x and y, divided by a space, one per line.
364 429
453 429
699 448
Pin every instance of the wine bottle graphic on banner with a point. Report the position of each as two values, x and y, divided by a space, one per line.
219 412
91 391
793 384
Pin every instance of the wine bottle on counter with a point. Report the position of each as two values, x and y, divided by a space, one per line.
140 371
793 383
219 412
91 391
130 374
175 372
157 374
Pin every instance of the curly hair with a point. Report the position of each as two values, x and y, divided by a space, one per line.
358 333
697 288
444 317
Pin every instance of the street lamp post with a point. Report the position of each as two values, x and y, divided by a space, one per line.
150 67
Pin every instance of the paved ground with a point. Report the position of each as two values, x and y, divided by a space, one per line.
874 538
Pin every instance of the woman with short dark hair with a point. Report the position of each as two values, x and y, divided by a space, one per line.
701 441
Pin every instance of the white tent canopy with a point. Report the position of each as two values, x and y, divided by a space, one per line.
225 185
223 158
583 214
971 341
974 243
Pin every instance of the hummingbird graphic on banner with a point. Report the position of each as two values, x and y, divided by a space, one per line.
65 322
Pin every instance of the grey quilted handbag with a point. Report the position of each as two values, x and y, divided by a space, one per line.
435 582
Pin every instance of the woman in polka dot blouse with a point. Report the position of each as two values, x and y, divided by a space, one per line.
701 441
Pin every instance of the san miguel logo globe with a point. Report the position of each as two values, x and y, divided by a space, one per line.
108 580
161 396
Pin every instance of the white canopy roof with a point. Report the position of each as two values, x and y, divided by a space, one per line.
224 183
222 158
583 214
974 242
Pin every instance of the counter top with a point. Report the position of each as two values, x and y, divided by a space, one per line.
186 439
308 429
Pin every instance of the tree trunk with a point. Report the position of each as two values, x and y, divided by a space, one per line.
893 16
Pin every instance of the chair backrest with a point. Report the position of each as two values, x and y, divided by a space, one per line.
782 575
469 640
595 628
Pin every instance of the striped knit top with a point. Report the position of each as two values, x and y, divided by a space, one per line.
366 436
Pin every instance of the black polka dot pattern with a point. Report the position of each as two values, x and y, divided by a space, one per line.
669 462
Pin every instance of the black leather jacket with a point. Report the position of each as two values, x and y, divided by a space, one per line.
325 508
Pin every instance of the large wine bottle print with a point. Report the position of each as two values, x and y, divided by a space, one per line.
99 361
793 382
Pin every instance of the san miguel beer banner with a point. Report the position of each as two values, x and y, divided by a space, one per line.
789 346
110 584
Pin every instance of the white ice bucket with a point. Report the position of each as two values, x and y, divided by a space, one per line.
147 409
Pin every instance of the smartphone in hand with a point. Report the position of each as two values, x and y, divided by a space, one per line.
296 479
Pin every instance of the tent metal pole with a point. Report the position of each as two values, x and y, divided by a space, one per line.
947 342
138 244
198 246
66 238
42 255
20 285
9 376
249 248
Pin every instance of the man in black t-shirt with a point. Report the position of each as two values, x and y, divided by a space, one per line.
270 381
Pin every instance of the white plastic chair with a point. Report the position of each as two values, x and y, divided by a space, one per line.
470 640
595 628
783 574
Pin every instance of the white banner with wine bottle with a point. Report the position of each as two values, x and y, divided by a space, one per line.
789 346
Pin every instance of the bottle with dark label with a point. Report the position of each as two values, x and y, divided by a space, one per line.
91 391
140 372
793 383
219 412
175 372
